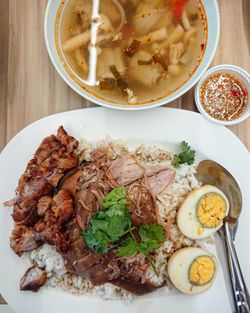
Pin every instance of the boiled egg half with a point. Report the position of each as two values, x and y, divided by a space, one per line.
192 270
202 212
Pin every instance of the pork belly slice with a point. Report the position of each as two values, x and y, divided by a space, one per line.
63 207
58 213
70 181
24 239
54 213
33 279
54 157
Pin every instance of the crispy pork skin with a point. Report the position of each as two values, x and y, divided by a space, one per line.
55 156
24 239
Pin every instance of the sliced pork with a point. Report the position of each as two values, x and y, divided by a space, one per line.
33 279
70 181
161 180
24 239
125 170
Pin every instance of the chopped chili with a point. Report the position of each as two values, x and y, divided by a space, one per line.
235 93
177 7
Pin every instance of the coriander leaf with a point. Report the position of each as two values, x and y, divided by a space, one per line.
186 156
118 225
176 161
110 224
116 197
117 209
130 248
97 242
99 221
152 236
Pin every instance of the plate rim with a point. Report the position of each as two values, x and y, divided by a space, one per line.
55 115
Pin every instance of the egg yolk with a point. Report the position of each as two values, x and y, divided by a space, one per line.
211 210
200 230
201 271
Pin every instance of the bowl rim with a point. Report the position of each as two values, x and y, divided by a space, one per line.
215 69
128 107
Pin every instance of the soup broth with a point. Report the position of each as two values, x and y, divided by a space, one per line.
131 51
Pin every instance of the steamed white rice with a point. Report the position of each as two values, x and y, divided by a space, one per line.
168 202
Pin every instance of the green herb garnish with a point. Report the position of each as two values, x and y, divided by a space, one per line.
107 226
186 156
115 201
151 235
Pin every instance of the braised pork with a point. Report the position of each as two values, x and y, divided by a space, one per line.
142 203
133 285
106 270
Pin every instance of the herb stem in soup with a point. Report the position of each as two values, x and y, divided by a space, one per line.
154 46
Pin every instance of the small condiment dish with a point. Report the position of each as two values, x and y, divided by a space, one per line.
239 74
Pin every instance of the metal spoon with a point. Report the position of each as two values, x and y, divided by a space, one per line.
210 172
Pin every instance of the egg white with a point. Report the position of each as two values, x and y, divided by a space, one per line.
186 217
178 270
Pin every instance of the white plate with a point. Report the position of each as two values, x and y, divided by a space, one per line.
213 18
163 126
